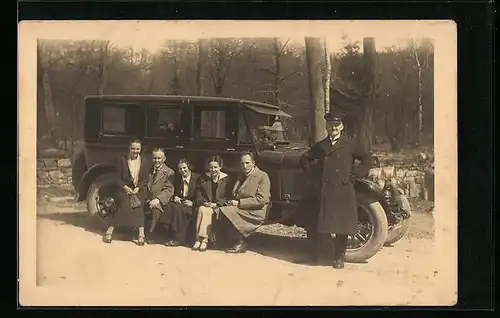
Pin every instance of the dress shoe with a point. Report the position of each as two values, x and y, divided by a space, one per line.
108 238
172 243
203 245
338 264
238 248
141 241
196 246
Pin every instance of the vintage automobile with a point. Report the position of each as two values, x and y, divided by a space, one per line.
196 127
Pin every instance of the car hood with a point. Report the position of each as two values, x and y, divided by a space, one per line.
283 156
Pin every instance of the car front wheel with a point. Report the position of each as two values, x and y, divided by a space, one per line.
372 230
101 201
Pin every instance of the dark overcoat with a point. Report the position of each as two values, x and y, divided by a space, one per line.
333 206
125 216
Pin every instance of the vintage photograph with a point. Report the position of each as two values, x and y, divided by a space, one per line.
284 168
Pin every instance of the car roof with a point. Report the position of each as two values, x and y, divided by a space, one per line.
179 98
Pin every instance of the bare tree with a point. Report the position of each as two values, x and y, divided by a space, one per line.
420 108
104 47
45 60
369 92
220 57
315 60
202 64
328 74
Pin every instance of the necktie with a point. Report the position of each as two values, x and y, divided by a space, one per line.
185 188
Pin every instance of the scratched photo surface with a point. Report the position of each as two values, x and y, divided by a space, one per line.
247 163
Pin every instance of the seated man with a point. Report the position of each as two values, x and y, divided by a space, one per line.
159 189
247 211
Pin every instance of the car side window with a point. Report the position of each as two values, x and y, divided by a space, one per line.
163 122
212 124
114 119
243 132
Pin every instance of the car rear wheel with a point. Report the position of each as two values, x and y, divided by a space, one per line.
398 231
101 197
372 230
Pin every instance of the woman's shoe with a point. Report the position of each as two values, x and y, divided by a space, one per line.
108 238
140 240
196 246
172 243
203 245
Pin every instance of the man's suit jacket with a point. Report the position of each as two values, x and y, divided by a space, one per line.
160 185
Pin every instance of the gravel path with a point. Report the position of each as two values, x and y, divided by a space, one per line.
72 258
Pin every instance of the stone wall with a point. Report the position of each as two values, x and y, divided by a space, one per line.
53 171
415 175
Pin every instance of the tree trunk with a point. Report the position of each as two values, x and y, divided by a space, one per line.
277 71
366 123
103 58
49 107
315 59
420 104
202 66
328 75
42 124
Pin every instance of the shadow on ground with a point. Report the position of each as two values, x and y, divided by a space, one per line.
284 248
89 224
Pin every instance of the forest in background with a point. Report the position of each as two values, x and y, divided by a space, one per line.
388 95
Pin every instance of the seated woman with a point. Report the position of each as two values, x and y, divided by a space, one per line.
211 194
177 214
133 173
247 211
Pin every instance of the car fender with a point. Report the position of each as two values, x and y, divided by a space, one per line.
90 175
374 190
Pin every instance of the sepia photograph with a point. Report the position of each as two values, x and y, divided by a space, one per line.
237 163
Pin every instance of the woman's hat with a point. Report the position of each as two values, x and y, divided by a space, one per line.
334 115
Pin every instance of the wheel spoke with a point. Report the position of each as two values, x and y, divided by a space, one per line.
360 237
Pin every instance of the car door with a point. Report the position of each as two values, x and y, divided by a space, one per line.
214 132
167 128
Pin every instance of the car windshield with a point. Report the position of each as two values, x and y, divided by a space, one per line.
260 128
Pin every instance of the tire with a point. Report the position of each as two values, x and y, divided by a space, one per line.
106 179
398 233
376 214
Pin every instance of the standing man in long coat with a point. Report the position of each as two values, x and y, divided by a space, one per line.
333 206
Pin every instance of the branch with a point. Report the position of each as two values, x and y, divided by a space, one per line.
283 48
266 69
287 76
345 94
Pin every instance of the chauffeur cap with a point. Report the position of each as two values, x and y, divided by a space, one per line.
335 115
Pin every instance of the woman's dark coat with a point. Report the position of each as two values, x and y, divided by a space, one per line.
125 216
178 217
204 190
332 201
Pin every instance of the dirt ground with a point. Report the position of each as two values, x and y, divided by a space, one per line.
70 253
